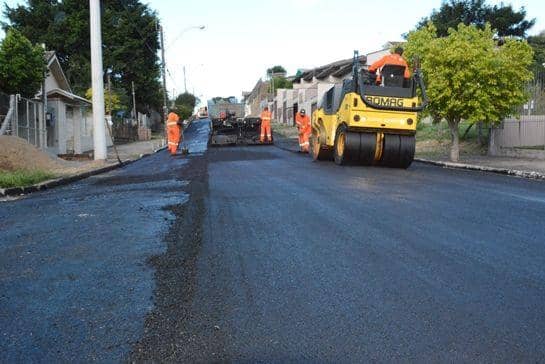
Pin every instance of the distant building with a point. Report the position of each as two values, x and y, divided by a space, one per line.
228 105
258 98
309 86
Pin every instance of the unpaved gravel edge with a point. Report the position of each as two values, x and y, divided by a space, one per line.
17 191
167 335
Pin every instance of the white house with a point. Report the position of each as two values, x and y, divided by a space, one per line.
69 120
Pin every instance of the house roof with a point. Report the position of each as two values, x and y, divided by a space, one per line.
68 96
336 69
55 68
48 55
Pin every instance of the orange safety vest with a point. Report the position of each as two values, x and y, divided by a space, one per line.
303 122
392 59
265 116
172 119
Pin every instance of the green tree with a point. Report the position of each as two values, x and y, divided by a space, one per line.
187 99
183 111
184 104
281 82
538 45
129 33
469 77
22 65
276 69
503 18
114 99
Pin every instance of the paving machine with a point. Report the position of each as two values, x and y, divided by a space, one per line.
228 129
360 122
229 126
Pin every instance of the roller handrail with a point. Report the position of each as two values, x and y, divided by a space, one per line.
418 77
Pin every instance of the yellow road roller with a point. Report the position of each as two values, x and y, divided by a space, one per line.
362 122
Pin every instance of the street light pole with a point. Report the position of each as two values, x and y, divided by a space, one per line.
185 83
99 130
199 27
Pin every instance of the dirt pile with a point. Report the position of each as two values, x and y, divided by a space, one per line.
17 154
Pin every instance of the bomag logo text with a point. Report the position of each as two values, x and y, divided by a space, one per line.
385 101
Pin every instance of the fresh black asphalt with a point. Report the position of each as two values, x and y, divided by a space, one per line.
256 254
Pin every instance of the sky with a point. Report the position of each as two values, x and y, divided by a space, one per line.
243 38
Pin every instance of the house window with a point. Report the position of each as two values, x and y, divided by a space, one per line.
69 113
85 122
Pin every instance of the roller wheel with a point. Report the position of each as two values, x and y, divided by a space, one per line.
408 145
398 151
317 151
361 148
340 150
390 151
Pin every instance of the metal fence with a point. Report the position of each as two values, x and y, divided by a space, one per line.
529 131
4 110
536 91
27 121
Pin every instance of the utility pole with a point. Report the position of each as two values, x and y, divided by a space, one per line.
134 103
99 130
109 95
163 68
185 84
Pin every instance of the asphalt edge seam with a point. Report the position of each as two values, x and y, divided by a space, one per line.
472 167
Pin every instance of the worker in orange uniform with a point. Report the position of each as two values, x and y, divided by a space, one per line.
303 125
394 59
265 125
174 132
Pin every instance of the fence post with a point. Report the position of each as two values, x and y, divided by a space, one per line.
9 116
16 116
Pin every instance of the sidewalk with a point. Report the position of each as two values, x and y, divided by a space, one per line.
127 152
520 167
135 150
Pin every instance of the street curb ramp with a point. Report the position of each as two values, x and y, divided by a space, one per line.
18 191
472 167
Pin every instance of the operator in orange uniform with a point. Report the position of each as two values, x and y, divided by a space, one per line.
174 132
303 125
265 125
394 59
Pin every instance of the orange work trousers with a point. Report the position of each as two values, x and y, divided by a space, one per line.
174 139
265 131
304 135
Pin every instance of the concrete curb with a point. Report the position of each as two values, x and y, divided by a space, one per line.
472 167
17 191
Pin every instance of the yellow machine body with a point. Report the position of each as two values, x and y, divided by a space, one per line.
359 117
362 122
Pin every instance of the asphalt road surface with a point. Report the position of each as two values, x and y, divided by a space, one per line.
256 254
